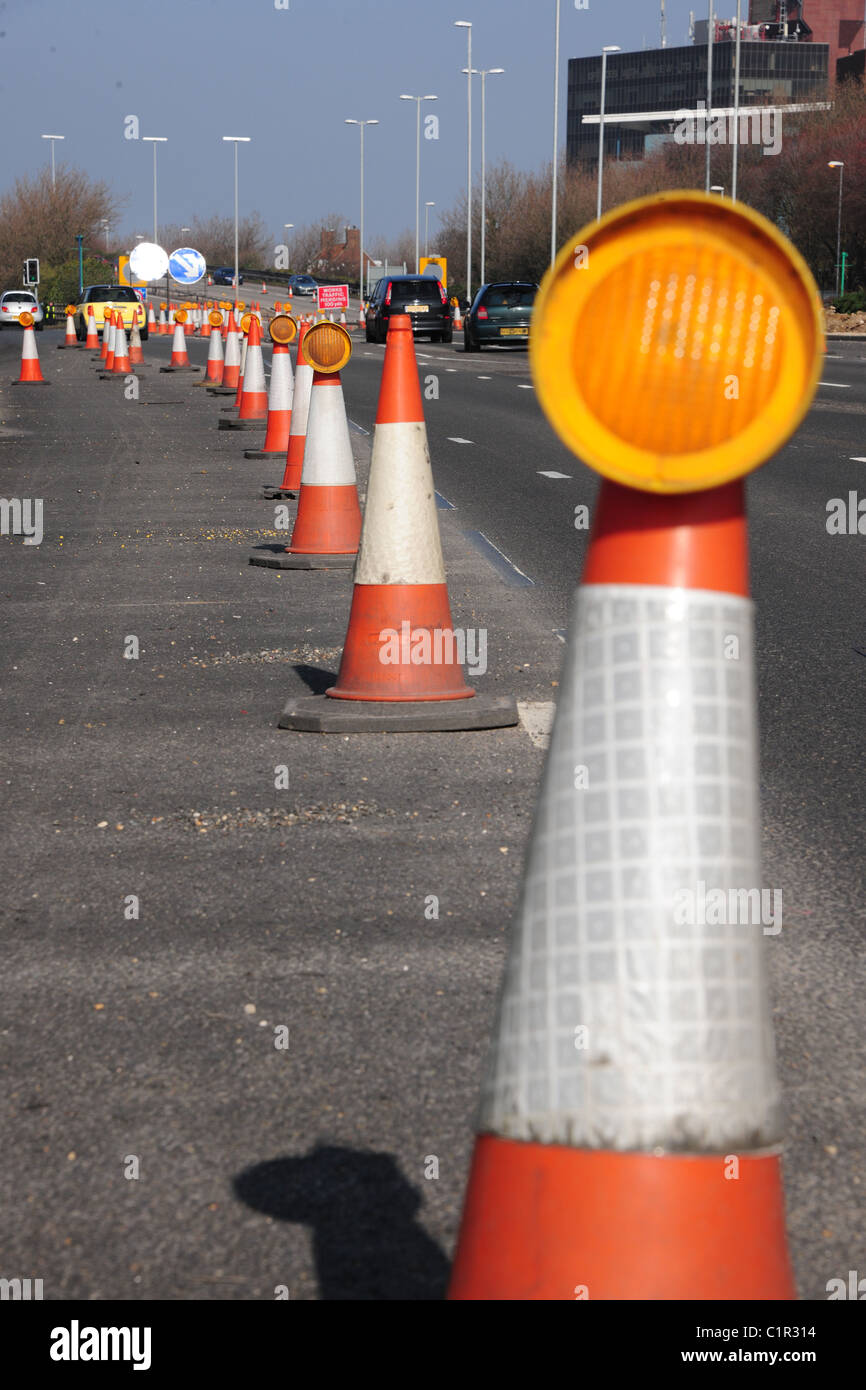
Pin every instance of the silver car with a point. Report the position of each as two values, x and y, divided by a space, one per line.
15 302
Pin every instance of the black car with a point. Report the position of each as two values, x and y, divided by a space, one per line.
422 297
500 313
224 275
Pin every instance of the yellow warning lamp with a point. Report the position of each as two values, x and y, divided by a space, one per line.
240 303
215 318
246 320
327 347
26 319
283 329
70 308
180 315
677 343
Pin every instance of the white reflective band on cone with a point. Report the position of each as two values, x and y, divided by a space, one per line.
328 460
678 1052
254 372
400 540
301 398
28 344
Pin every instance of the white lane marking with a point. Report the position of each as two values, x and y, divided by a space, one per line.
451 369
524 386
843 385
854 459
536 716
542 474
485 378
355 426
455 439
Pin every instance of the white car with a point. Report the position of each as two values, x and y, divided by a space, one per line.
15 302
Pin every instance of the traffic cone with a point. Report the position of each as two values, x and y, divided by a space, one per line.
92 340
632 1075
458 317
189 322
328 523
401 667
105 341
244 344
343 319
362 322
231 365
163 325
70 340
291 484
205 327
179 357
279 407
264 288
253 404
215 359
31 372
136 356
119 354
151 320
112 338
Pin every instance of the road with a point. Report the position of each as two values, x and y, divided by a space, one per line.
153 1038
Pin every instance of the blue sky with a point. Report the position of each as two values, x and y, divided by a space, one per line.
195 70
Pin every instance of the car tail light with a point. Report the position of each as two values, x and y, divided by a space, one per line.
481 313
388 294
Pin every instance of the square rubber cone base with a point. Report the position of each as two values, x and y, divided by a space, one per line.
18 382
241 424
180 369
261 454
319 714
220 390
271 493
282 560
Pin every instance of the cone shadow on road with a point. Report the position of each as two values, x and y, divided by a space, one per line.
316 678
362 1212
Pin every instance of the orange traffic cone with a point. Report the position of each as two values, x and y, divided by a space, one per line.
162 327
71 339
122 362
232 362
253 401
204 323
401 663
215 359
328 524
111 338
291 483
92 335
31 372
106 335
136 356
630 1126
151 320
281 329
179 357
362 322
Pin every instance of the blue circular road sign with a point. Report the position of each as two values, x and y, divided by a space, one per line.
186 266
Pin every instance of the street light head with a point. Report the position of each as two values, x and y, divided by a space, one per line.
155 139
430 98
612 48
54 137
836 164
244 139
371 122
463 23
429 205
405 97
496 69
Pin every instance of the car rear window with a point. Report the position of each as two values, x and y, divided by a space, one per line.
510 297
19 297
416 291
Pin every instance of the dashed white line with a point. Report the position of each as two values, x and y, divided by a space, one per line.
842 385
854 459
485 378
455 439
543 474
524 386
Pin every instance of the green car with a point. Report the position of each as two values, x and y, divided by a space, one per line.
500 313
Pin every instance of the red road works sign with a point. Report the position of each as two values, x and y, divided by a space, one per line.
333 297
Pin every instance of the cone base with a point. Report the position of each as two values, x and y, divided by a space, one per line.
218 390
317 714
271 494
264 453
28 381
180 369
541 1221
283 560
238 424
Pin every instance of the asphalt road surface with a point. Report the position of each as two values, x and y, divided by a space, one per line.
156 1141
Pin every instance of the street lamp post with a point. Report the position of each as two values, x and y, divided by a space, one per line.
611 48
711 21
361 267
236 140
555 138
718 188
736 150
404 96
467 25
155 140
52 138
427 207
482 73
840 165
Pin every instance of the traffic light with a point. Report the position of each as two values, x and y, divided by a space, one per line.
31 272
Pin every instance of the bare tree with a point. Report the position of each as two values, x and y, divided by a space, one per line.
38 219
